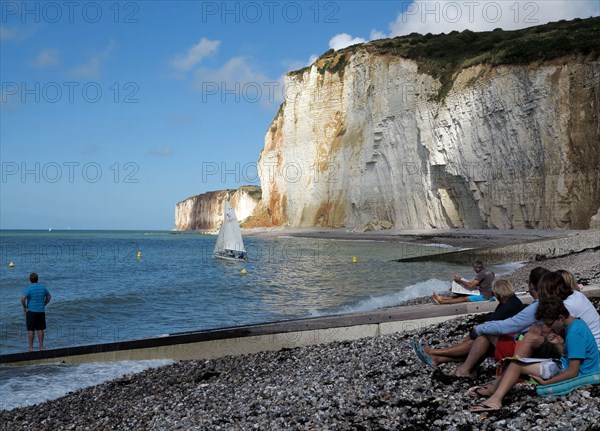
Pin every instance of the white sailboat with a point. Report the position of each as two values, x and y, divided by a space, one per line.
230 245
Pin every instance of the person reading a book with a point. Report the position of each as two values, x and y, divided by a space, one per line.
483 282
580 357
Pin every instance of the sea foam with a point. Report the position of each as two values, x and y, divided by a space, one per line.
24 386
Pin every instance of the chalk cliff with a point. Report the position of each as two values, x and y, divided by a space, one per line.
369 138
205 211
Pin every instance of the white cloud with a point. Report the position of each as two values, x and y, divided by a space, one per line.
16 34
161 152
343 40
90 149
91 69
444 16
375 34
237 81
235 70
300 64
7 33
194 55
46 58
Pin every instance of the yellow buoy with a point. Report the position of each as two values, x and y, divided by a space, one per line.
11 265
354 259
139 254
244 272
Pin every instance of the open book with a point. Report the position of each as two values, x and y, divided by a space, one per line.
461 290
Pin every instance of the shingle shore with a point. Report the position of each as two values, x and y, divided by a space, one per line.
374 383
371 384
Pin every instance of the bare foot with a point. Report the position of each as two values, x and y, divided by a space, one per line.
486 406
436 298
484 391
433 359
462 373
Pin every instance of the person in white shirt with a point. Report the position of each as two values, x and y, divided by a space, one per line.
579 306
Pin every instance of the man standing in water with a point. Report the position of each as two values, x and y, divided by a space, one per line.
34 302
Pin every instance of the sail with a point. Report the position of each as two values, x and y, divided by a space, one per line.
230 235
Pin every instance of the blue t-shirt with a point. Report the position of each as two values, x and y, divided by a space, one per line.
36 298
581 344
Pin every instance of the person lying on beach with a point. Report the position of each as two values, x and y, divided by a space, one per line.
483 281
497 338
535 342
508 306
581 356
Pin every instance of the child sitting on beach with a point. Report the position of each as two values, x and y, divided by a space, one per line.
579 306
580 355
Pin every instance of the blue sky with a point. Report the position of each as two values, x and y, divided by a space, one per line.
112 112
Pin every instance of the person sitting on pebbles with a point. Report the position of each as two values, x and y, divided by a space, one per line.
509 305
483 281
580 355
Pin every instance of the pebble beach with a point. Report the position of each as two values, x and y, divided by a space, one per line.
375 383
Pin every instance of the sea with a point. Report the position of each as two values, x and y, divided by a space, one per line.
109 286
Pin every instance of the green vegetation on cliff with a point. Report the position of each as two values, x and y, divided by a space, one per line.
444 55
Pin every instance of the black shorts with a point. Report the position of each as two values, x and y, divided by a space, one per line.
36 321
546 350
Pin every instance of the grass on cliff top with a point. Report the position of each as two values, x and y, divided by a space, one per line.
444 55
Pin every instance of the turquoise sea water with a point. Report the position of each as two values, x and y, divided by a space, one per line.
101 291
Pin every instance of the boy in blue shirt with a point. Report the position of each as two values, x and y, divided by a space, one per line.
34 302
580 355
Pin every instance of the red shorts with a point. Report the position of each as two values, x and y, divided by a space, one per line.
505 347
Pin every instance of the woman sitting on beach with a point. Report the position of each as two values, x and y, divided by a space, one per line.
570 279
580 356
509 305
580 307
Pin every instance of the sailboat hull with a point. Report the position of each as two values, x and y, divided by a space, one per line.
229 258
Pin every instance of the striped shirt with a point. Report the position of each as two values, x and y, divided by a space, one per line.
36 298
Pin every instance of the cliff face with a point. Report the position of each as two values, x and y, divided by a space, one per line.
205 211
513 146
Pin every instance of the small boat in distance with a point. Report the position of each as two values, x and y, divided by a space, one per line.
230 245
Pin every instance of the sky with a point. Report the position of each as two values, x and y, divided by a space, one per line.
111 112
